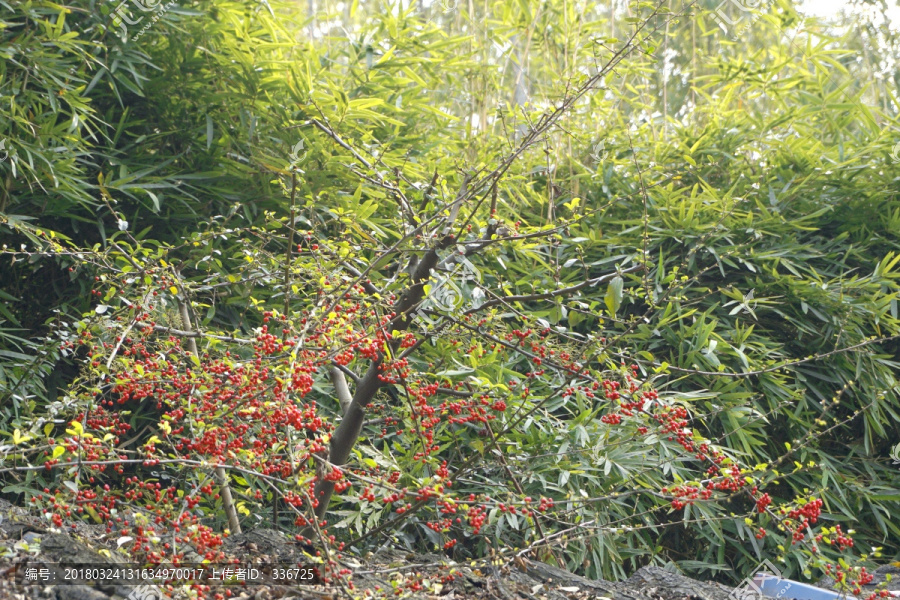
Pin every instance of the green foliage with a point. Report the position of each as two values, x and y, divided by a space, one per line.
783 229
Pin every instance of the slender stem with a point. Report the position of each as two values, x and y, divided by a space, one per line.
290 248
222 477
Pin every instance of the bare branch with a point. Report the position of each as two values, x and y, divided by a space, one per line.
340 388
554 294
221 475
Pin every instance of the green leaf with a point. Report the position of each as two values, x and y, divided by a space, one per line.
209 132
613 298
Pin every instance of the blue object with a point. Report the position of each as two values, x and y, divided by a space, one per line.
786 589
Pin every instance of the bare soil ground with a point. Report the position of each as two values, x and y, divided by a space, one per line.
25 541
